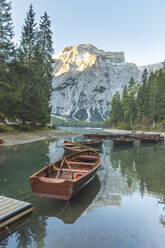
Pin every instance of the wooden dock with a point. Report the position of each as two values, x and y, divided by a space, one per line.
12 210
156 138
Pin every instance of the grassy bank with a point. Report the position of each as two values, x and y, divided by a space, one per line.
159 127
27 127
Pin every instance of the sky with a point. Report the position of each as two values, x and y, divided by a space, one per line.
136 27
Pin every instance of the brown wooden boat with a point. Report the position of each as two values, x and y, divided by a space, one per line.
123 141
92 143
104 136
74 147
156 138
2 142
64 178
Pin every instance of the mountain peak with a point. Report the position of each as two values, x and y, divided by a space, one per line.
85 79
83 56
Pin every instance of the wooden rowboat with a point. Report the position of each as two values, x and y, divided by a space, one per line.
74 147
90 143
2 142
123 141
157 138
64 178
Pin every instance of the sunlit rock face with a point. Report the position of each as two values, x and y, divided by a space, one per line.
85 79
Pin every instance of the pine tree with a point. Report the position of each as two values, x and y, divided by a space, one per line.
144 103
132 89
144 76
138 102
151 96
160 95
143 98
116 109
26 53
6 32
40 93
6 55
11 86
45 44
28 38
35 54
125 104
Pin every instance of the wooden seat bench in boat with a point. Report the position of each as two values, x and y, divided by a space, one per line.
79 163
87 157
68 170
77 148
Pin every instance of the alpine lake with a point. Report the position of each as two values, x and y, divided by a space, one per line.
123 207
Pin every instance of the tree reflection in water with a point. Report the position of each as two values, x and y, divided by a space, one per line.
28 235
34 232
141 168
145 165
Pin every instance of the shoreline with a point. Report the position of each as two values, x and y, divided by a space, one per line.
132 131
18 137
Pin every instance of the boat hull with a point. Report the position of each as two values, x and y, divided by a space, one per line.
42 187
49 189
69 151
78 147
123 142
2 142
93 144
60 188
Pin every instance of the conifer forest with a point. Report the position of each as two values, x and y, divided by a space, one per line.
141 105
25 68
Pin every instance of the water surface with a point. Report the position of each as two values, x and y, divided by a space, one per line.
123 207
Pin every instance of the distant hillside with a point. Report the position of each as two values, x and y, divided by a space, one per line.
152 67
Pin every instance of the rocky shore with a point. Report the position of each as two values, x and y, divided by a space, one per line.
17 138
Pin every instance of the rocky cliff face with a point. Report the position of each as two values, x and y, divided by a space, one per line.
152 67
85 79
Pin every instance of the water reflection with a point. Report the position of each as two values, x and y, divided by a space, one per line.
122 147
17 164
125 201
124 160
35 231
70 211
26 236
143 165
55 150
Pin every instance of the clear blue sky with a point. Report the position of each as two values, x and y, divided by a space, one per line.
136 27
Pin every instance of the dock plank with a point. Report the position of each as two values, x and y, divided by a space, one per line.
12 209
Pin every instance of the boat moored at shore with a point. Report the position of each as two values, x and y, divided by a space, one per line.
64 178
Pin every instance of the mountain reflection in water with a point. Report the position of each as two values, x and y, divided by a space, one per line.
124 204
142 165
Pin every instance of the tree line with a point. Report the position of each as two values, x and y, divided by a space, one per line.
141 104
25 69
